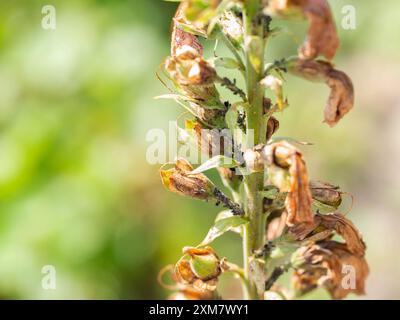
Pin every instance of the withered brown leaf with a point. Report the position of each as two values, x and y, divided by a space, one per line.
345 228
323 227
182 38
341 98
181 181
212 142
323 265
321 37
298 201
326 193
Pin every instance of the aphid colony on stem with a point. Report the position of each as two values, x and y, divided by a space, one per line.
274 206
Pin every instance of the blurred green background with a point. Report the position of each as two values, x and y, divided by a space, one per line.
76 191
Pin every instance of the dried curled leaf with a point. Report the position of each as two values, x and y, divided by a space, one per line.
195 77
322 265
323 228
348 260
188 68
298 201
321 38
326 193
345 228
341 98
181 38
181 181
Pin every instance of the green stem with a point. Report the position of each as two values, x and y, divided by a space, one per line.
253 235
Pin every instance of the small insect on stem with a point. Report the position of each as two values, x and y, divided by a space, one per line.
236 209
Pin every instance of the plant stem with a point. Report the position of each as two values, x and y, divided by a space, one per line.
253 235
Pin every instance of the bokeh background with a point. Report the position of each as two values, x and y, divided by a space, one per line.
76 191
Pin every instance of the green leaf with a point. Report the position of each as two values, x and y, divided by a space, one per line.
173 96
214 162
191 29
222 226
225 62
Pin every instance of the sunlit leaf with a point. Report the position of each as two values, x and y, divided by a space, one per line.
225 62
214 162
222 226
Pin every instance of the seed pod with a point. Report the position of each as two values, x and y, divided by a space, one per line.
326 193
181 181
298 201
204 262
189 69
199 267
195 77
186 66
321 38
341 98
